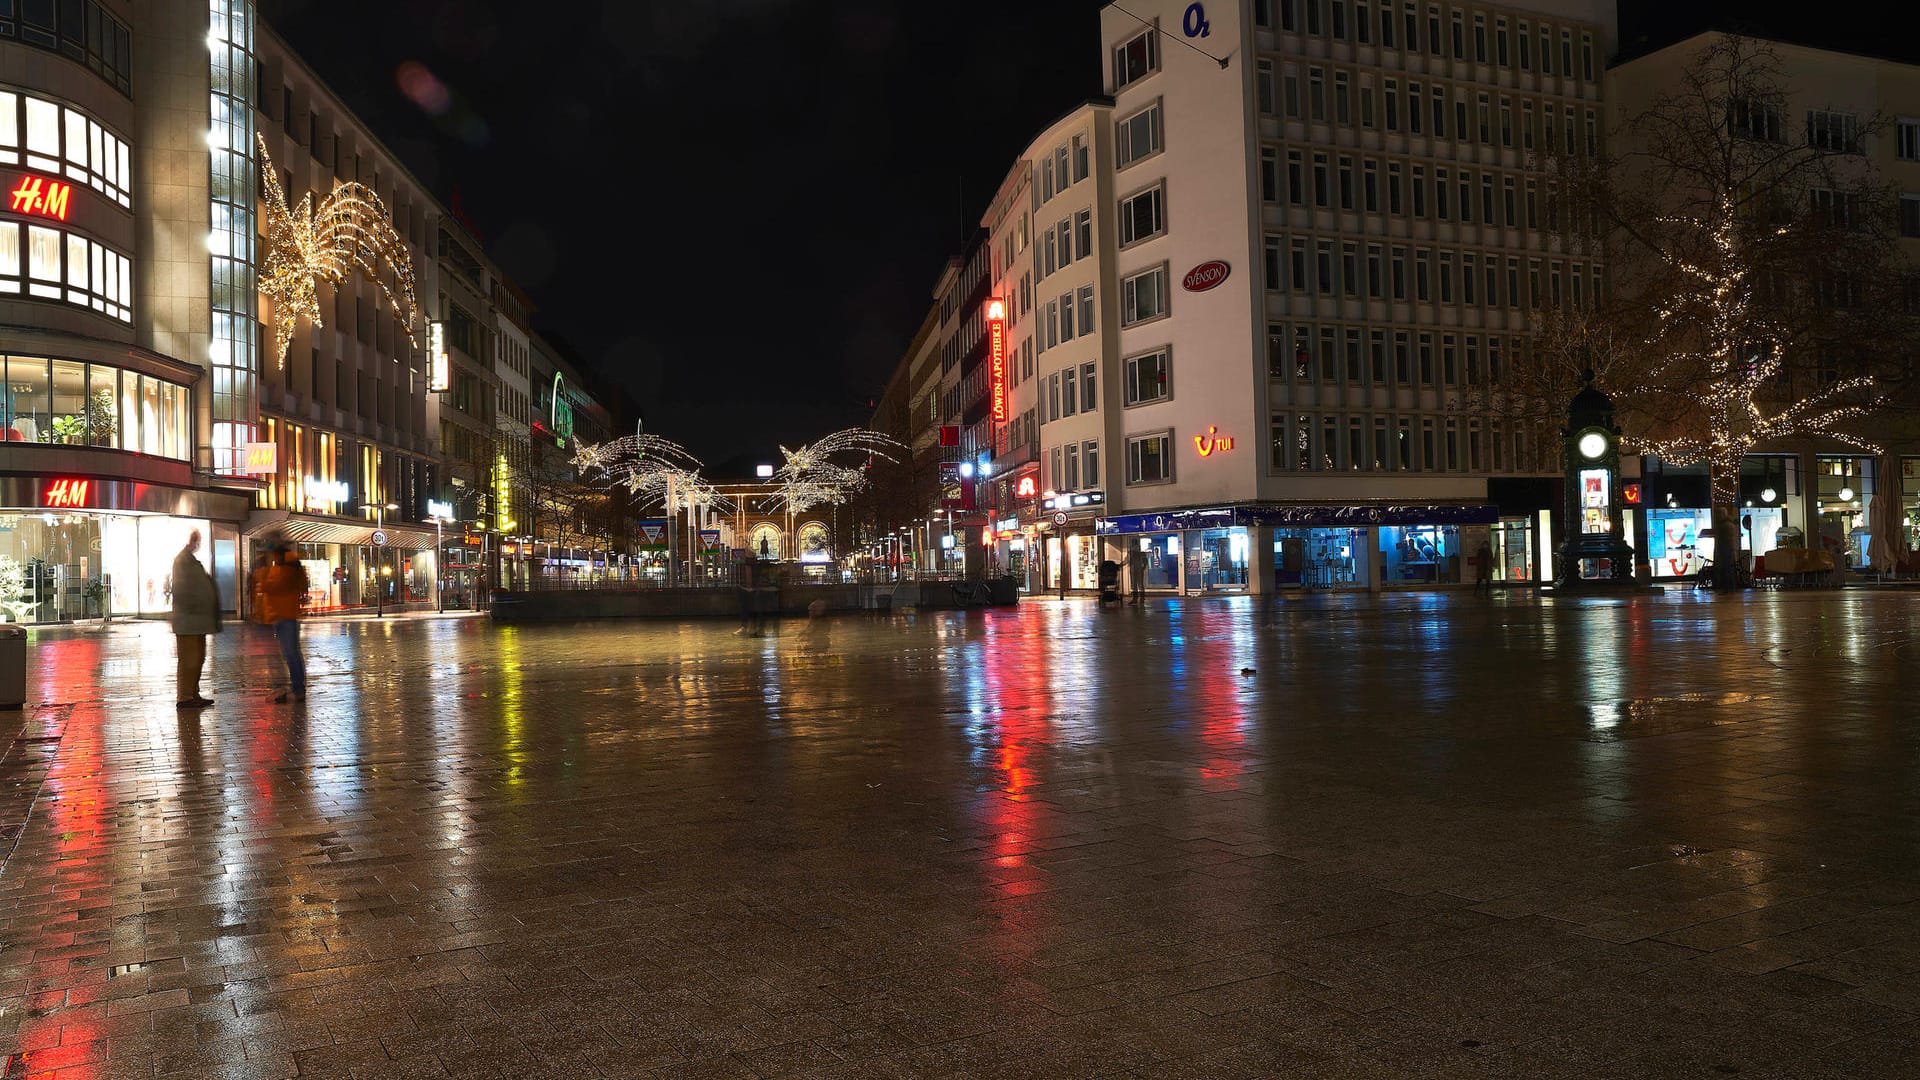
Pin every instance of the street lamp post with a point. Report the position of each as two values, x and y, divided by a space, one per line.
380 557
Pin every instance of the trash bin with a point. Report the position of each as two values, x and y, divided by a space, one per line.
13 666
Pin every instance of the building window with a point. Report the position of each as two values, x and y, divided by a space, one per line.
1090 463
1143 296
1149 377
1269 174
1150 458
1083 234
1143 215
1080 156
1833 132
1909 140
65 266
80 30
1263 83
1136 58
1138 136
1910 215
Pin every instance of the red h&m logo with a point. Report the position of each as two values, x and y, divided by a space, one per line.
66 494
36 195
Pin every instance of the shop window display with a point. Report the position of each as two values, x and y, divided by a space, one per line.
76 404
1420 554
87 565
1218 559
1512 543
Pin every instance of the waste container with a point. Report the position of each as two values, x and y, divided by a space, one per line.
13 666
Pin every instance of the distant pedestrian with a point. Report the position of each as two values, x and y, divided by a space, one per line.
1137 575
1483 569
279 586
196 613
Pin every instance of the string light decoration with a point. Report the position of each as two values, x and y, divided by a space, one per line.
811 476
306 244
655 471
1739 402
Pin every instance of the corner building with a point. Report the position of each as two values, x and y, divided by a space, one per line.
143 393
1315 263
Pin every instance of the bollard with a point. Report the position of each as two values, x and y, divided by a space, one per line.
13 666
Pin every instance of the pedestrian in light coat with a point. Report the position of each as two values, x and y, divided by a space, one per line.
196 613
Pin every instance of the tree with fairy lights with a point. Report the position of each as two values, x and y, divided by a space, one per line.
1758 299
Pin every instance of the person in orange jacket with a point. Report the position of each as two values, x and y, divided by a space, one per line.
279 587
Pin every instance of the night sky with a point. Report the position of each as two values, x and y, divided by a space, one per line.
734 209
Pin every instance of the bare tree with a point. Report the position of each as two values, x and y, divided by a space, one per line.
1758 296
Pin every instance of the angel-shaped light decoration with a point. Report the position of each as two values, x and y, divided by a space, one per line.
308 244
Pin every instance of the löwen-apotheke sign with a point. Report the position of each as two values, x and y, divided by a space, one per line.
1205 276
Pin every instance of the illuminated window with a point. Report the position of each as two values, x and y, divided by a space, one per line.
1136 58
63 141
1149 377
1150 458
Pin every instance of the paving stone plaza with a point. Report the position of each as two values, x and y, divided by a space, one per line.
1411 836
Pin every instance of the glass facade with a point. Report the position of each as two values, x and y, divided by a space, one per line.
87 564
44 400
1420 554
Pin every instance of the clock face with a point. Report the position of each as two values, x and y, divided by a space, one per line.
1592 445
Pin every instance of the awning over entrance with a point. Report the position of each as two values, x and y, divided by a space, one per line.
302 529
1305 515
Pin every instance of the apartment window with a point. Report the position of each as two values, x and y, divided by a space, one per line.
1349 270
1083 234
1080 158
1070 391
1143 296
1419 191
1422 265
1366 105
1466 196
1506 122
1399 273
1833 132
1143 215
1149 377
1908 143
1316 93
1837 208
1338 25
1150 458
1090 463
1586 57
1507 202
1066 317
1402 361
1370 185
1269 174
1449 361
1313 16
1138 136
1271 252
1486 199
1485 115
1086 310
1323 267
1296 179
1377 353
1546 51
1356 358
1910 215
1440 194
1413 107
1374 259
1053 396
1526 53
1426 359
1263 13
1263 83
1469 268
1513 282
1433 29
1393 105
1362 24
1386 25
1439 99
1346 183
1446 277
1298 266
1566 53
1342 98
1479 37
1136 58
1526 125
1048 254
1072 481
1290 94
1322 188
1393 187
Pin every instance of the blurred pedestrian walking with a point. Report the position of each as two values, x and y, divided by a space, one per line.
196 614
1137 575
279 586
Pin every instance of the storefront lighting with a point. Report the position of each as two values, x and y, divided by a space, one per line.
966 470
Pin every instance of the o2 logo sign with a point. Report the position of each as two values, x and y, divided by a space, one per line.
1194 22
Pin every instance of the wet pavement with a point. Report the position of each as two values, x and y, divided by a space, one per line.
1411 836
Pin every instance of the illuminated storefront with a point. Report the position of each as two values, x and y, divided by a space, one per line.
84 548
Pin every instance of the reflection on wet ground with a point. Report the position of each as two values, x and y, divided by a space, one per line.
1408 836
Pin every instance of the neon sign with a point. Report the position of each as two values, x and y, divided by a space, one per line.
997 358
1026 488
38 195
1212 442
66 494
326 491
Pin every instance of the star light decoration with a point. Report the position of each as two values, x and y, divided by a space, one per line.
811 476
1740 371
652 469
307 244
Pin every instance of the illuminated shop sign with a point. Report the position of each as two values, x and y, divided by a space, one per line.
1212 442
41 197
1075 499
439 369
1027 488
326 491
66 494
441 511
997 358
262 458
